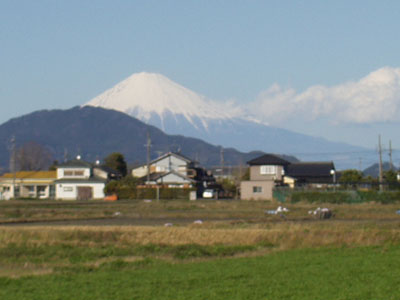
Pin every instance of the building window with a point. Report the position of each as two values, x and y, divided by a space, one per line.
267 170
257 189
41 190
68 189
73 173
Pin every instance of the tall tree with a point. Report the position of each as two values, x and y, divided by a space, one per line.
33 157
117 162
351 176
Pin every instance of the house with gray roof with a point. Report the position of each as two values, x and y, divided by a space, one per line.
271 170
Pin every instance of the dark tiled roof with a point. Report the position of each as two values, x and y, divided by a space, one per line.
268 159
76 163
107 169
310 169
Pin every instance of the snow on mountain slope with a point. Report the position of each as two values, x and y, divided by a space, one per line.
158 101
154 97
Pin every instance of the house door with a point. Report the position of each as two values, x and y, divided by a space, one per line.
85 192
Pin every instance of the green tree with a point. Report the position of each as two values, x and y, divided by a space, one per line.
350 176
390 176
246 175
117 162
229 186
124 188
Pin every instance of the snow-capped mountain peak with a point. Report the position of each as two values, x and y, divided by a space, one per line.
149 95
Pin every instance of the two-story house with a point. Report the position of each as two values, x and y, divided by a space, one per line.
76 181
171 169
265 173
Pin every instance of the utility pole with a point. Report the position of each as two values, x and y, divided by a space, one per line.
222 162
380 165
13 162
390 155
148 145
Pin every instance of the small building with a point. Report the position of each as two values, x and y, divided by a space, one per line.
269 171
266 172
27 184
77 181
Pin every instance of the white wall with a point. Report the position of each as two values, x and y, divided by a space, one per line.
140 171
69 191
173 178
172 163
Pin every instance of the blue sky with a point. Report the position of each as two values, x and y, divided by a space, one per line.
58 54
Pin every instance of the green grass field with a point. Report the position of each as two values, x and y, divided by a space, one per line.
341 273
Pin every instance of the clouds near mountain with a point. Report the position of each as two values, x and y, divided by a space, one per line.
373 98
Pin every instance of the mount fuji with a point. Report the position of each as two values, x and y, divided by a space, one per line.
158 101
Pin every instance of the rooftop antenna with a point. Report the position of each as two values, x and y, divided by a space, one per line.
65 155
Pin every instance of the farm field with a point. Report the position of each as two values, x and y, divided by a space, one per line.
97 250
139 212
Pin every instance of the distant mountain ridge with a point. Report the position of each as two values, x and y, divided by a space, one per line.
95 132
156 100
373 170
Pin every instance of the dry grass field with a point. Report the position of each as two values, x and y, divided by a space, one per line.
43 233
123 250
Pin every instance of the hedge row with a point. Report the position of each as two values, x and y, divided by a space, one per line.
342 196
151 193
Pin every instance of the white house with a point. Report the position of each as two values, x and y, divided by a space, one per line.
171 179
170 163
76 181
